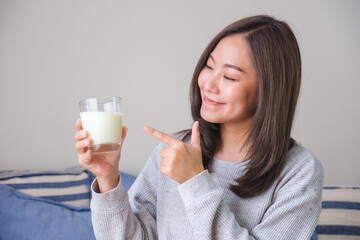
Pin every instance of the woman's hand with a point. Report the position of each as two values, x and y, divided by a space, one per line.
180 161
104 166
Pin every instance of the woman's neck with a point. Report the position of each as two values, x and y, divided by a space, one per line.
233 138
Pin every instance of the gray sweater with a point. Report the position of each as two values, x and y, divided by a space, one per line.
203 207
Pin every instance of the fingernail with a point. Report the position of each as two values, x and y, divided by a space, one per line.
149 129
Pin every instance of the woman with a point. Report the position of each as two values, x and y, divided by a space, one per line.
237 174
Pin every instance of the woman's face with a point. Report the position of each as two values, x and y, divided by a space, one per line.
228 83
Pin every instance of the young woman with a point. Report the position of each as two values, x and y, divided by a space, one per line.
237 174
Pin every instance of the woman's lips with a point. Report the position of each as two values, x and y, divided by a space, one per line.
211 102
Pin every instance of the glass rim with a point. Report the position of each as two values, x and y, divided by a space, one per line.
95 99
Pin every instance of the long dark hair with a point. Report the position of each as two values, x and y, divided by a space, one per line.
277 62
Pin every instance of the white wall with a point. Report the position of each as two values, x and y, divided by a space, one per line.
55 53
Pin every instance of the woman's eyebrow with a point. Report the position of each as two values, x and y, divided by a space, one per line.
229 65
234 67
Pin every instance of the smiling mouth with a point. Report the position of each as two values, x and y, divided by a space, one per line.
211 102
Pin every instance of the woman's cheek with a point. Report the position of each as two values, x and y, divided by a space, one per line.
202 78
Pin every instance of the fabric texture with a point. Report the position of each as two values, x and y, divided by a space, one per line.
23 216
157 207
69 186
340 215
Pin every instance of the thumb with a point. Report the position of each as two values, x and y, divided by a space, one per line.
195 135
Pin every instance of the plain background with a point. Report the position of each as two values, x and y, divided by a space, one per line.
55 53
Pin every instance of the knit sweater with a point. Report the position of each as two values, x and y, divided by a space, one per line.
157 207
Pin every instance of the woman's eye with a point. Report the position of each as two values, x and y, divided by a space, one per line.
228 78
207 66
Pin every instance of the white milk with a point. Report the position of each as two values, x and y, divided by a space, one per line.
104 128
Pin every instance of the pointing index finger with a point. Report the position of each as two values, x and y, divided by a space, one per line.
165 138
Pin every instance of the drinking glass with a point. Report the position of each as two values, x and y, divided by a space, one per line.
101 117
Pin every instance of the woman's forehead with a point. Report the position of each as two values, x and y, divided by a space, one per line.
233 50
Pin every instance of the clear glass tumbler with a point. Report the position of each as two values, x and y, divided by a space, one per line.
102 118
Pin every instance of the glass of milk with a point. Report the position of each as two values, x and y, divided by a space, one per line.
102 118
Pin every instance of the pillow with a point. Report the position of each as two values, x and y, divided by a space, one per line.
23 216
340 214
314 236
69 186
26 217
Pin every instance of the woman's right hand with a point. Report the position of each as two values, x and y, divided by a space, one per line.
104 166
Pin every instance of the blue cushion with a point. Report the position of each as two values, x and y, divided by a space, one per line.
26 217
23 216
127 180
314 236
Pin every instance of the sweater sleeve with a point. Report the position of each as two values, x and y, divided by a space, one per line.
293 213
114 217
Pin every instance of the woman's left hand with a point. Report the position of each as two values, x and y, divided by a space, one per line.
180 161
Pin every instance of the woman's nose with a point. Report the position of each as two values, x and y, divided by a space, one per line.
212 84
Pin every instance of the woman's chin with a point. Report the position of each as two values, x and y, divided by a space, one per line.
209 117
